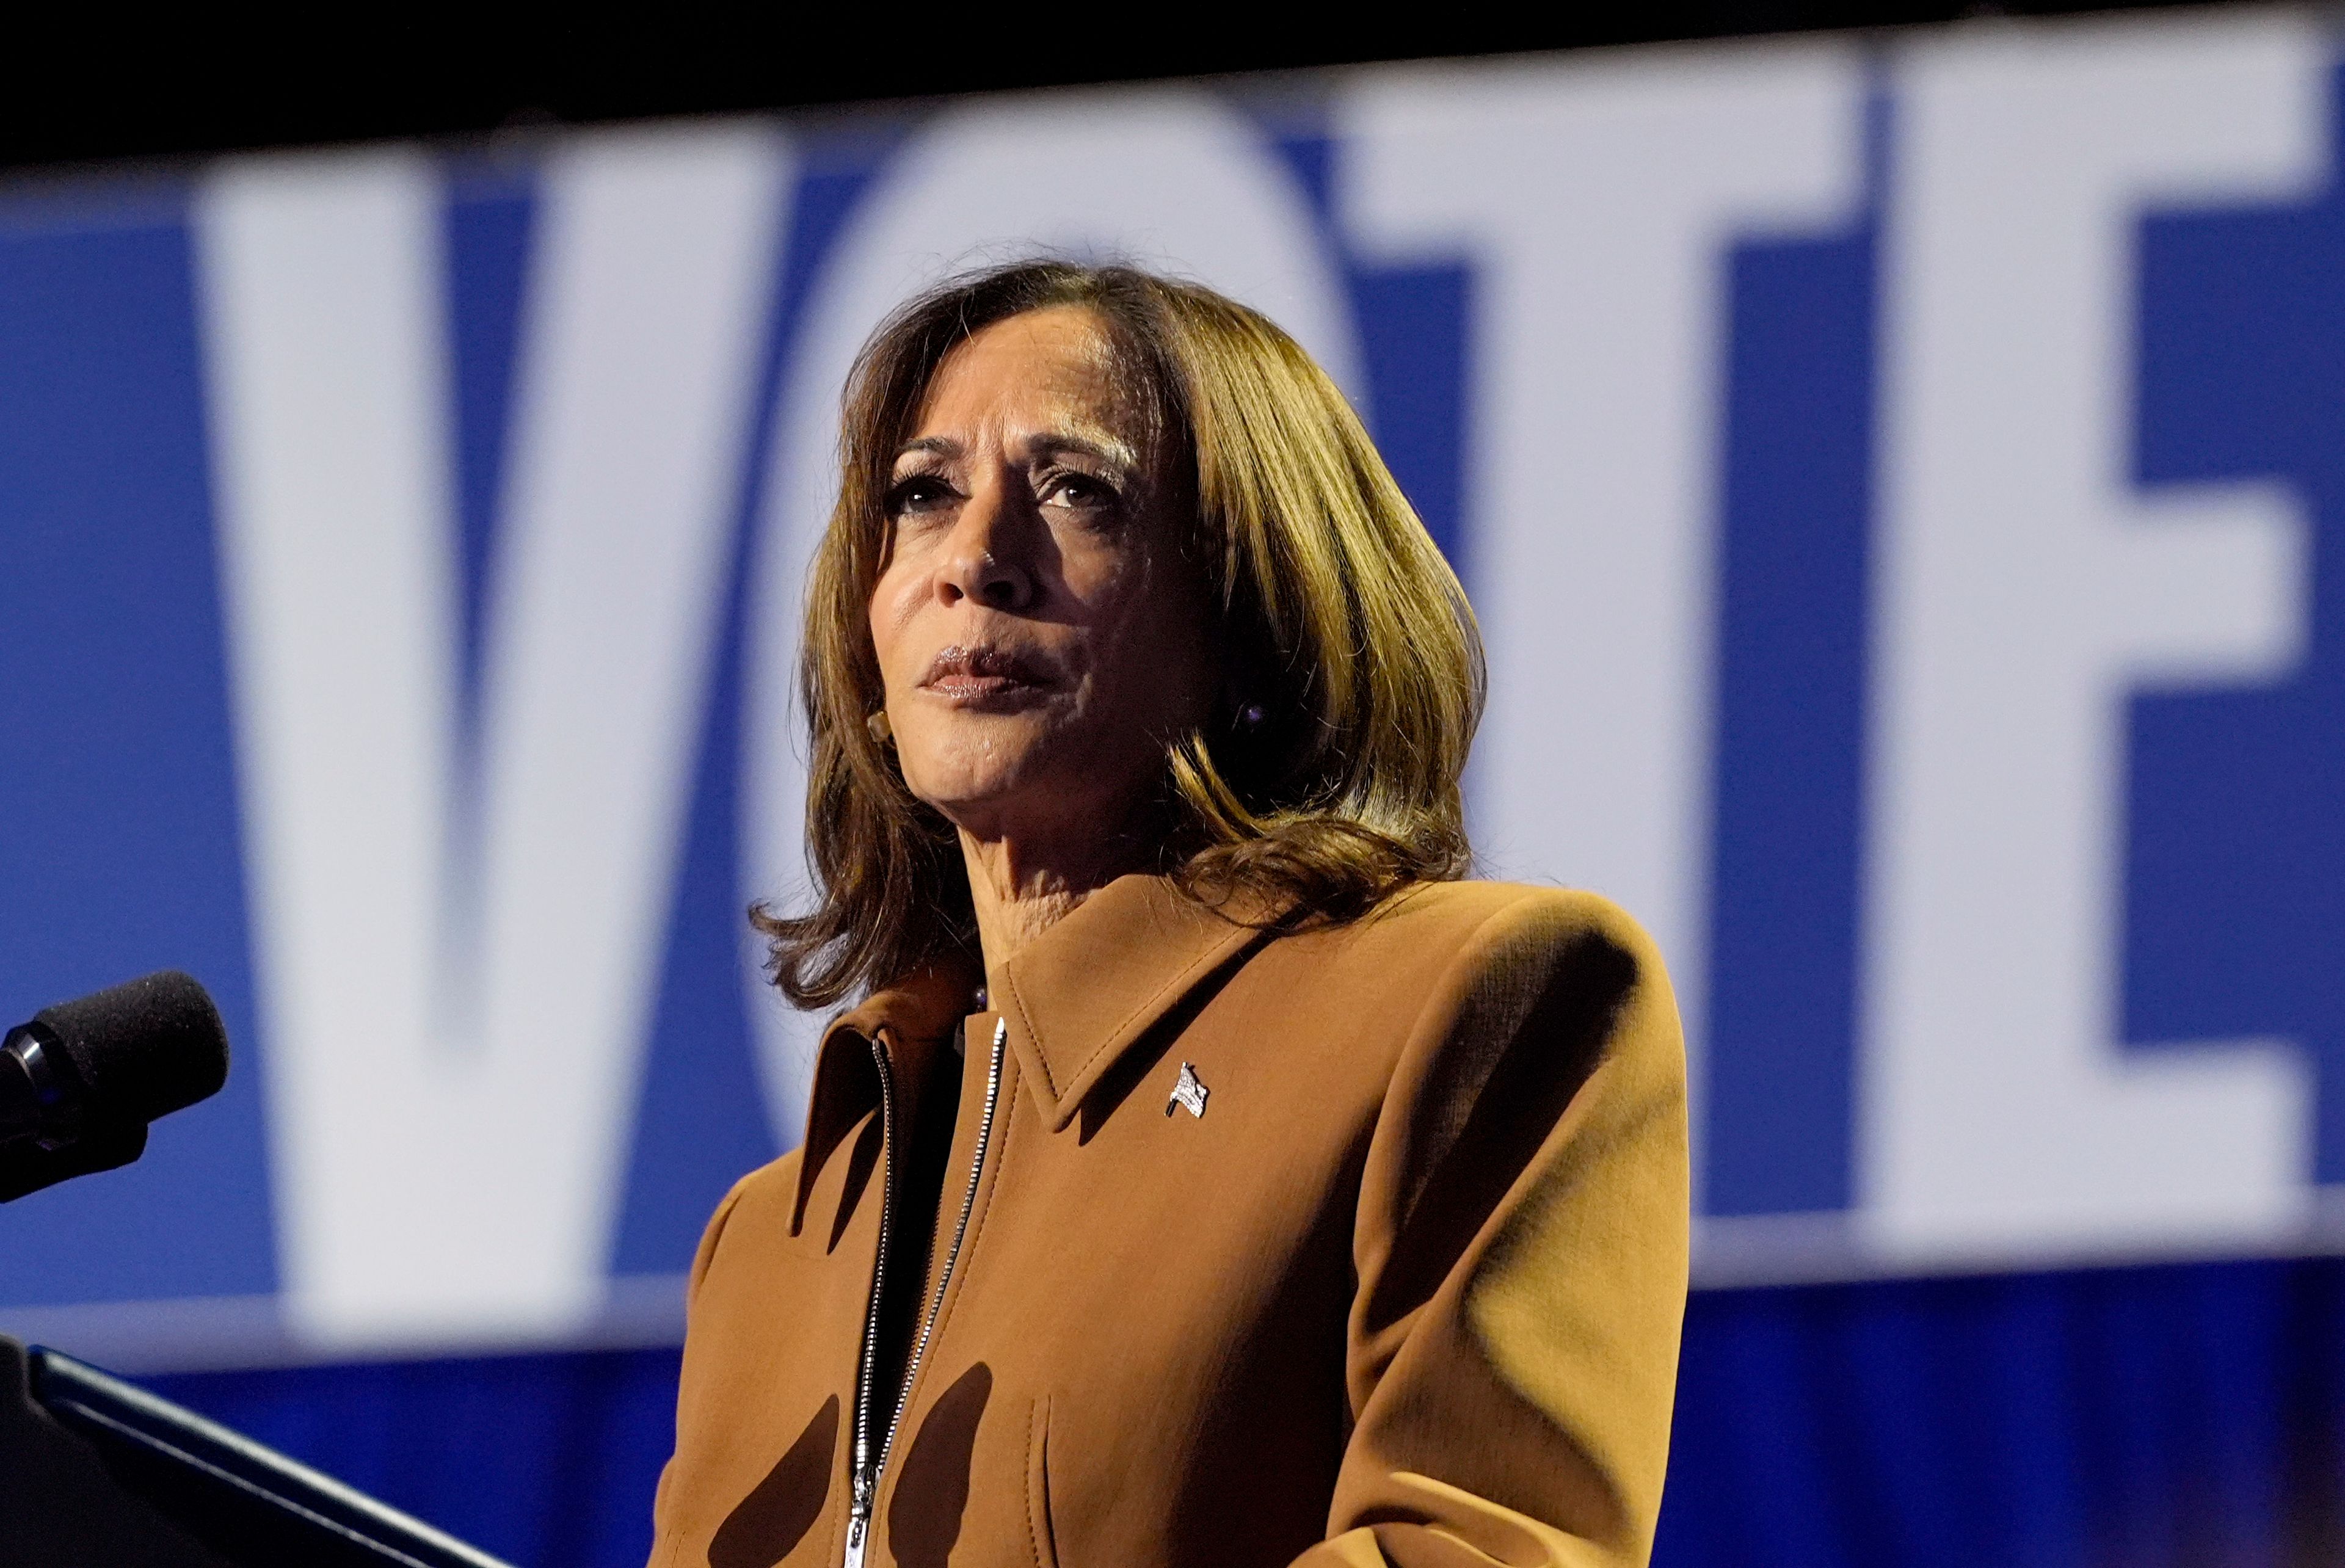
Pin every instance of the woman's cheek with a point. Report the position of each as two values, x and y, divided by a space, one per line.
1098 574
894 603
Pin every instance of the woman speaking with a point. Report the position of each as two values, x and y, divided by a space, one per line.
1203 1174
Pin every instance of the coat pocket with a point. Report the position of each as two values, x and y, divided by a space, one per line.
1039 1528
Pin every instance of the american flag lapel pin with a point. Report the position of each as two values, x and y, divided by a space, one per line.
1188 1094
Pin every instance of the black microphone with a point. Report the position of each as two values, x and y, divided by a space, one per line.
79 1083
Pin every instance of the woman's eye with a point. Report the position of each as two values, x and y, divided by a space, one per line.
1078 491
918 494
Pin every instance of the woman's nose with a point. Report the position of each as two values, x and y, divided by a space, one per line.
982 561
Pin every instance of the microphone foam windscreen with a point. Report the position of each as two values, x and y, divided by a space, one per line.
143 1049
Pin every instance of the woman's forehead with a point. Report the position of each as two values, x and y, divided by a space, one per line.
1058 368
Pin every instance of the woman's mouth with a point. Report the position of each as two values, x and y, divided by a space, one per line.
982 677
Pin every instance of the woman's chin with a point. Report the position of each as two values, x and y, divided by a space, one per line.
1022 797
975 756
965 790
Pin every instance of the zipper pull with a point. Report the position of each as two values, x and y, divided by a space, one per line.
859 1522
855 1530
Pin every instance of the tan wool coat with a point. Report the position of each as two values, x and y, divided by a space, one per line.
1356 1245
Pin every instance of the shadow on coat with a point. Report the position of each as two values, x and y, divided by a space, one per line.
775 1517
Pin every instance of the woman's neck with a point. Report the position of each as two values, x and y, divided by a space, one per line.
1019 891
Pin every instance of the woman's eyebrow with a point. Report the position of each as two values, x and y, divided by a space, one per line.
1105 447
943 446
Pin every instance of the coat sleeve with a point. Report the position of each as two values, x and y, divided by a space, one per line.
703 1256
1520 1249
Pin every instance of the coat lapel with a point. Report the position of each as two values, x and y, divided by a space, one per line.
1087 989
1076 999
913 1021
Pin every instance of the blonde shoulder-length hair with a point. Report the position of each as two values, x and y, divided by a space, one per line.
1352 668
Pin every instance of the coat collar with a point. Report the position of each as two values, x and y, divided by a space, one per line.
1075 1000
1085 990
914 1021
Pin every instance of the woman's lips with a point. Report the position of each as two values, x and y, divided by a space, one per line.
968 687
981 676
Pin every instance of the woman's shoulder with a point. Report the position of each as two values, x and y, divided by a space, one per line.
1458 946
764 1198
1441 984
1467 918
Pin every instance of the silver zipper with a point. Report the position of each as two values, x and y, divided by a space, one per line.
867 1470
859 1517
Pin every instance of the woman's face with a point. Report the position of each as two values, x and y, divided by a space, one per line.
1039 629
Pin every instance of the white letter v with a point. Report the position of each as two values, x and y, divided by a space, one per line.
454 1035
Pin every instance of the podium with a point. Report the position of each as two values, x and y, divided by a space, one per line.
96 1471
